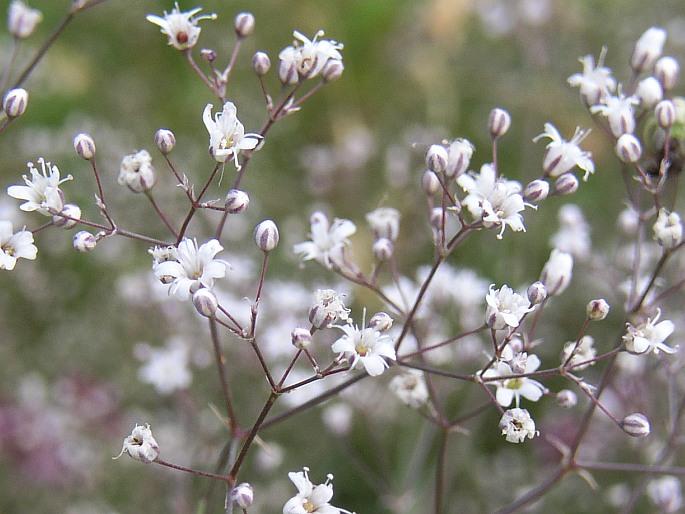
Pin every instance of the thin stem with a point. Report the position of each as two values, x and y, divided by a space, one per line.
221 368
189 470
440 472
159 212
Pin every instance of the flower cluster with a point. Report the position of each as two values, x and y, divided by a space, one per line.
306 59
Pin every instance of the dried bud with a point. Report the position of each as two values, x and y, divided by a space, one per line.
649 92
301 338
383 249
667 70
244 24
430 183
205 302
71 210
665 114
236 201
165 141
567 184
537 292
636 425
261 64
499 122
327 308
141 445
332 70
243 495
266 236
22 21
536 191
436 158
566 398
15 102
84 241
380 321
597 310
648 49
628 148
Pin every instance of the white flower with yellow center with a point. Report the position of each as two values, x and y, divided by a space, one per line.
310 498
514 387
366 347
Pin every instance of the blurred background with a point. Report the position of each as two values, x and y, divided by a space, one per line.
76 329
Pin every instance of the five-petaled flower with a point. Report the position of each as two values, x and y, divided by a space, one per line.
365 347
514 387
328 243
307 57
595 82
649 336
180 27
517 425
505 308
14 246
227 136
562 156
41 192
310 498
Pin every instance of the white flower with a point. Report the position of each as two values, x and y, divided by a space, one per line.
307 56
180 27
583 352
15 246
648 49
513 388
140 445
562 156
327 308
41 192
328 242
167 368
668 229
227 136
310 498
493 200
594 82
410 387
136 172
459 155
619 110
384 223
557 272
193 268
505 308
21 20
516 425
574 233
365 347
666 493
649 336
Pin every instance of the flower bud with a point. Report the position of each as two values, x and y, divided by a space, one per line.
557 272
666 71
636 425
84 241
243 495
287 72
536 191
665 114
380 321
628 148
22 20
208 54
648 49
566 398
537 292
668 229
499 122
205 302
566 184
430 183
649 92
383 249
437 218
261 64
165 140
436 158
597 310
332 70
459 157
266 236
244 24
236 201
15 102
301 338
384 223
137 173
327 308
71 210
84 146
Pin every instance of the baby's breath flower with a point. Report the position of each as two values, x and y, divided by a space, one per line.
668 229
649 336
557 272
666 494
227 137
41 192
310 498
327 308
410 387
137 172
517 425
505 308
594 82
307 57
180 27
579 355
14 246
648 49
512 389
328 243
365 347
384 223
619 110
140 445
562 156
21 20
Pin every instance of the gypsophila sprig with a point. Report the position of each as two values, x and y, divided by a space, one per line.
227 137
41 192
22 20
365 347
307 57
595 82
329 243
505 308
562 156
649 336
180 27
14 246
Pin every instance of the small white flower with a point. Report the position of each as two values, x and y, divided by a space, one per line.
140 445
648 49
459 155
513 388
41 192
310 498
583 352
557 272
384 223
516 425
365 347
21 20
666 493
594 82
327 308
227 136
505 308
307 56
192 268
167 368
328 242
668 229
15 246
649 336
180 27
136 172
619 110
410 387
562 156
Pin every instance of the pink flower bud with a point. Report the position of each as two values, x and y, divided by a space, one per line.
332 70
165 141
243 495
301 338
71 210
236 201
566 398
383 249
266 236
537 292
649 92
261 64
597 310
648 49
84 241
430 183
536 191
566 184
380 321
205 302
665 114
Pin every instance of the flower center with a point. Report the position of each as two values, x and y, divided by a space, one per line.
513 383
308 507
182 37
361 349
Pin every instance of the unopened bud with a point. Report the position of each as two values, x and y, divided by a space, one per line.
266 235
668 229
243 495
332 70
15 102
459 156
287 72
665 114
205 302
208 54
21 20
71 210
566 398
380 321
437 218
84 241
649 92
628 148
536 191
301 338
244 24
648 49
436 158
261 64
165 140
566 184
499 122
383 249
636 425
666 71
84 146
236 201
537 292
430 183
597 310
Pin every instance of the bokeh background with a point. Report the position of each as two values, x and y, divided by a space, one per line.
75 328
